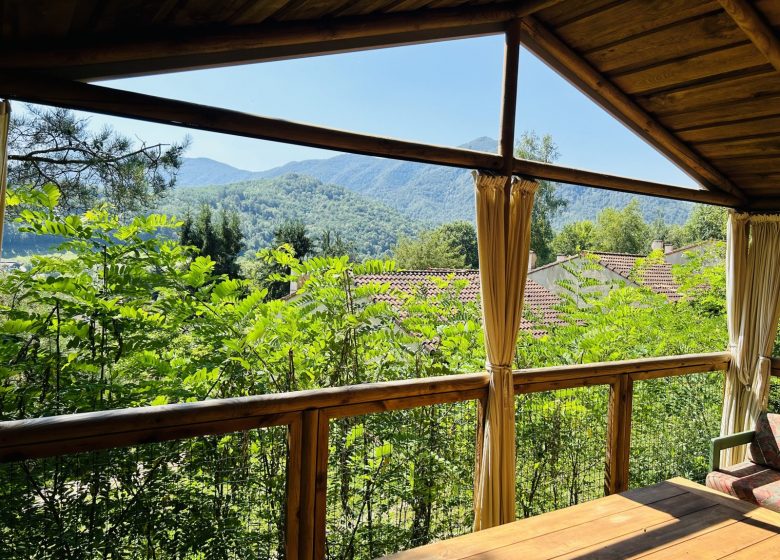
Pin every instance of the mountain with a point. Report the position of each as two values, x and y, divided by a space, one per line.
196 172
263 204
430 193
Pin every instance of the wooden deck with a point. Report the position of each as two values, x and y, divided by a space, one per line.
674 519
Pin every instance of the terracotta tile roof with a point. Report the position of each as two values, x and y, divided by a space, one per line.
538 299
658 276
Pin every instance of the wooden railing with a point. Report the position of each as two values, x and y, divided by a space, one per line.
307 415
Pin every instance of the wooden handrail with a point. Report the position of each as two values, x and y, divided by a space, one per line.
40 437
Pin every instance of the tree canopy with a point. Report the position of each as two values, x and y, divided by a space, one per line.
220 239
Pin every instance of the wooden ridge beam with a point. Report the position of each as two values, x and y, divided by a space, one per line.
170 50
749 20
599 88
100 99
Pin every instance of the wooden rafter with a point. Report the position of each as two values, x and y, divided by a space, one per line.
100 99
188 49
506 137
599 88
747 17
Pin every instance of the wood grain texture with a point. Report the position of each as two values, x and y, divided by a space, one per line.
756 28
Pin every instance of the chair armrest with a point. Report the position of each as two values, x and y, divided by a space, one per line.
718 444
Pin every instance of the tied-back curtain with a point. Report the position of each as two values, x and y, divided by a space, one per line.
5 118
504 207
753 306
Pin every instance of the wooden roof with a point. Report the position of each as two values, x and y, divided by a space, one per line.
699 79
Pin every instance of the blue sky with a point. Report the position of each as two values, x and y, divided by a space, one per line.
444 93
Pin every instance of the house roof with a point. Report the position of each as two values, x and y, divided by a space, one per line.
657 276
698 81
538 300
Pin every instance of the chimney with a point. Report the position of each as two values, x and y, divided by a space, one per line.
531 260
560 258
657 245
668 248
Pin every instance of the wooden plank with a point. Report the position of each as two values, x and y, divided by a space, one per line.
717 544
702 67
622 20
746 147
750 165
759 183
717 360
687 370
541 386
735 130
720 94
747 509
618 436
736 111
469 545
758 551
756 28
659 537
387 405
615 101
306 514
506 135
566 12
188 49
705 33
294 481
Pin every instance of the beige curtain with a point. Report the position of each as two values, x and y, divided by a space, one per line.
753 305
5 118
504 207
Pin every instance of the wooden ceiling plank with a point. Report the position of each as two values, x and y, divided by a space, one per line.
608 95
628 19
100 99
713 94
698 35
723 114
701 67
758 31
734 130
166 51
749 165
744 147
561 14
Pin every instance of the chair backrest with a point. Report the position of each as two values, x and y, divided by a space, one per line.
765 447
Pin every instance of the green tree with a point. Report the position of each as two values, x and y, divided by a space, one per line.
622 231
547 202
430 250
333 245
462 238
294 234
574 238
705 223
221 241
55 146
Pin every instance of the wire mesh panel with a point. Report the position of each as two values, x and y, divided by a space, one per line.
561 448
400 479
672 422
207 497
774 394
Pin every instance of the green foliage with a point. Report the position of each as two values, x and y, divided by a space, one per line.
125 316
622 231
547 203
430 250
574 238
462 238
262 205
705 223
219 239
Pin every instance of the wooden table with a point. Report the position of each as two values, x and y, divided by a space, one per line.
674 519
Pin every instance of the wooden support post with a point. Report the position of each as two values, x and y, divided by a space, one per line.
321 485
509 101
618 435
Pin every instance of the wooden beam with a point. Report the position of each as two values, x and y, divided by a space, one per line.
551 172
760 33
100 99
310 439
599 88
173 50
506 142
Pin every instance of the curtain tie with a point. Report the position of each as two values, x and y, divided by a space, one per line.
496 369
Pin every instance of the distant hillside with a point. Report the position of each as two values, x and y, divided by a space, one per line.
264 203
431 193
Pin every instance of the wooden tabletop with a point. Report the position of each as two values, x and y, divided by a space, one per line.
675 519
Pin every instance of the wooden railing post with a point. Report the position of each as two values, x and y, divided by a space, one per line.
314 483
618 435
294 480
